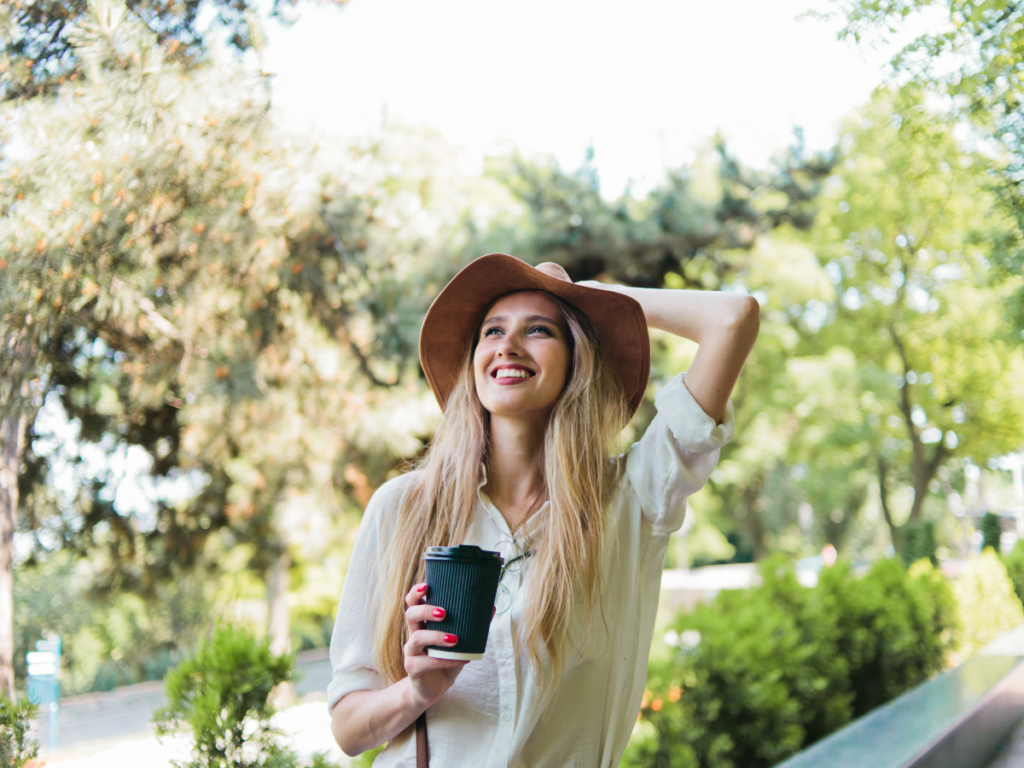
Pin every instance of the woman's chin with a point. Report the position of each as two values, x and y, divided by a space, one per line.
505 409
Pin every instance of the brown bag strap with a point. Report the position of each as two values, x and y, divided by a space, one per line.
422 745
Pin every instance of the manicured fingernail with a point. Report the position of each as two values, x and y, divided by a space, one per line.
451 639
421 587
438 613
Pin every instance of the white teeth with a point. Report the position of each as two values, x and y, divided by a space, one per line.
512 373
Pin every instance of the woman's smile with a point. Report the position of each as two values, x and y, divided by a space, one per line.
511 374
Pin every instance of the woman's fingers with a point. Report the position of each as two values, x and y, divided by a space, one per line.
416 594
421 638
413 598
420 613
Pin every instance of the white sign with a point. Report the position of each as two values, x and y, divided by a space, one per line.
40 657
40 670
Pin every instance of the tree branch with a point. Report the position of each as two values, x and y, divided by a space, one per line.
883 497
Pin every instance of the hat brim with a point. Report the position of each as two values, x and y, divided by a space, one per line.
457 311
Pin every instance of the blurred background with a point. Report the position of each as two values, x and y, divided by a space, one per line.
222 222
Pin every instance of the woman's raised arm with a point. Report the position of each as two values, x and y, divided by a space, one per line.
724 325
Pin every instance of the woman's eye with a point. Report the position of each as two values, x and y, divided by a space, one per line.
543 328
490 330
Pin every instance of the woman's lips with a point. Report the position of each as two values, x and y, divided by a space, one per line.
509 380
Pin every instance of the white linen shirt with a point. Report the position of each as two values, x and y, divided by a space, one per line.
486 719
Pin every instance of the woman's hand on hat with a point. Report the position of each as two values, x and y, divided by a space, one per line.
429 677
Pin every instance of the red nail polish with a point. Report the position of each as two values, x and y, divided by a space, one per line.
438 613
451 639
421 588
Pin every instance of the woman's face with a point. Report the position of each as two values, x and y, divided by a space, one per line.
521 362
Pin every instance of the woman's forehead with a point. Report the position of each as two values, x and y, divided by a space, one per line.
525 302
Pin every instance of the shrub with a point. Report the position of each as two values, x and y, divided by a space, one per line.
919 543
764 672
894 628
986 603
220 694
1014 563
991 532
16 749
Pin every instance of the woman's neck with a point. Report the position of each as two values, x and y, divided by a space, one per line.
515 473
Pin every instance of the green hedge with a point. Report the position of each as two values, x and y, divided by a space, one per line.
986 603
779 666
1014 563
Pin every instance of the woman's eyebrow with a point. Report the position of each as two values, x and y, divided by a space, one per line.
530 319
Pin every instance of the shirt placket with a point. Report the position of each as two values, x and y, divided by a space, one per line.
504 653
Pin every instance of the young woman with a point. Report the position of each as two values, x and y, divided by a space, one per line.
536 376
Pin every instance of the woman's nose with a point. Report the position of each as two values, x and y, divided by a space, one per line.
511 345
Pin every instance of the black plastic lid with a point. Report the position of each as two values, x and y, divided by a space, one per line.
464 552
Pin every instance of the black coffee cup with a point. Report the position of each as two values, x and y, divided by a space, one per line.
464 581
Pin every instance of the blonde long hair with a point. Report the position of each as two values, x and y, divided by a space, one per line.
438 507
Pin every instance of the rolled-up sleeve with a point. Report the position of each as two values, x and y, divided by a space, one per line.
355 626
676 455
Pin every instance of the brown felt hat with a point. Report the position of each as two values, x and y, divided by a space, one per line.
458 310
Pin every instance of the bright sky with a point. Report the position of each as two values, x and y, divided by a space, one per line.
648 82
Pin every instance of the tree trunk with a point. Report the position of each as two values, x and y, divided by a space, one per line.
924 469
12 432
924 472
883 498
278 582
753 524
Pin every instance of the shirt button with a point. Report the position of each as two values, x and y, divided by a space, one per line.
507 716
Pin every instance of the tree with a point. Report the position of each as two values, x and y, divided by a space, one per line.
909 231
681 231
38 52
977 59
182 279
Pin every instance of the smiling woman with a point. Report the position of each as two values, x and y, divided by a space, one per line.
536 376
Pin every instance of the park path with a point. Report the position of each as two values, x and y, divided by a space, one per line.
96 723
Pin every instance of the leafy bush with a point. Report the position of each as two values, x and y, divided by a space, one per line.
991 532
762 673
1014 563
986 603
16 749
221 695
919 543
894 628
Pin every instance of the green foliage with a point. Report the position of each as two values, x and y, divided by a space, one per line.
1014 564
220 695
895 628
762 673
38 52
108 640
206 293
986 40
366 759
885 356
688 230
16 749
919 543
907 236
987 605
991 532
